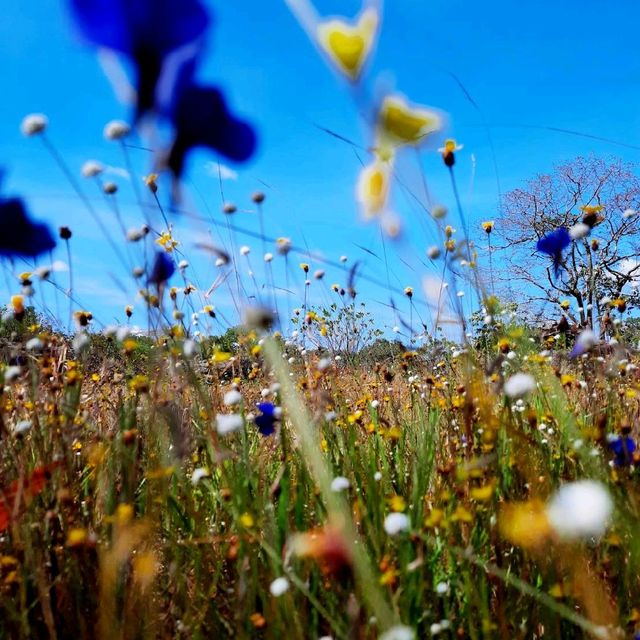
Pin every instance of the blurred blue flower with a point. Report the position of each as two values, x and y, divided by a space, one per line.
622 448
266 421
163 268
553 244
21 236
202 119
161 37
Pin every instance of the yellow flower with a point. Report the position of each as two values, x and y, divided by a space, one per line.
247 521
373 187
77 537
152 182
17 302
397 503
408 291
488 226
167 242
564 305
399 123
524 523
349 45
304 266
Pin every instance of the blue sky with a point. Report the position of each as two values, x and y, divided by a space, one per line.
572 65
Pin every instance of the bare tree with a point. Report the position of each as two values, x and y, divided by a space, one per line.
588 190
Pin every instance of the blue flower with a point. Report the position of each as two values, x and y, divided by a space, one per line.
148 32
266 421
202 119
553 244
21 236
163 268
623 448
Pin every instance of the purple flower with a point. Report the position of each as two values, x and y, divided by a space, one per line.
623 448
20 235
163 268
270 414
553 244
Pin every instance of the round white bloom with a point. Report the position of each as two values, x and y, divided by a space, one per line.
92 168
628 213
80 342
245 250
323 364
116 130
395 523
278 587
268 257
22 427
399 632
580 230
220 262
182 265
318 274
340 484
433 252
189 348
232 398
133 235
12 373
375 403
435 629
343 258
519 385
442 588
35 344
33 124
377 476
439 212
198 474
580 509
228 423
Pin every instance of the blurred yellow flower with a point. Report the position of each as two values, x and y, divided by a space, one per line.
400 123
348 45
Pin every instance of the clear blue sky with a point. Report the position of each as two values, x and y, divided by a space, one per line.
573 65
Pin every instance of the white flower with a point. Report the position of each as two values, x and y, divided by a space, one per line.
189 348
198 474
628 213
340 484
377 476
375 403
433 252
92 168
268 257
35 344
116 130
133 235
519 385
182 265
343 258
439 212
22 427
435 629
580 509
232 398
442 588
395 523
80 342
580 230
323 364
399 632
278 587
11 373
245 250
33 124
228 423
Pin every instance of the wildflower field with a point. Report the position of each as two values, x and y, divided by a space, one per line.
271 438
